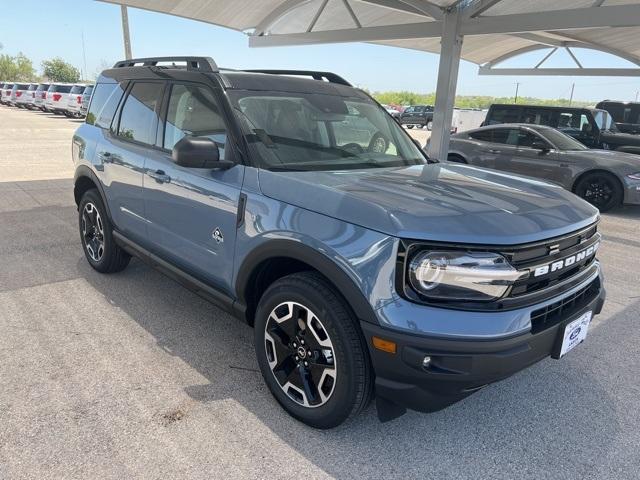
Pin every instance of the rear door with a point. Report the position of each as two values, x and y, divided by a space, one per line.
192 212
129 133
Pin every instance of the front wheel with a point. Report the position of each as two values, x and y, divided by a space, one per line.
430 125
310 351
600 189
409 127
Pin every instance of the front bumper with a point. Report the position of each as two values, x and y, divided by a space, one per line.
461 366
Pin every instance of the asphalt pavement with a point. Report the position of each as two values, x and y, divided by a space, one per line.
132 376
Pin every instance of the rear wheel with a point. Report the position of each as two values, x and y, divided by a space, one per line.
96 233
600 189
429 125
310 351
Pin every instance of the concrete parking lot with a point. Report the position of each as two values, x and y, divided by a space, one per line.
132 376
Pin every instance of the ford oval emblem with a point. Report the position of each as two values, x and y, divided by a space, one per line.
575 333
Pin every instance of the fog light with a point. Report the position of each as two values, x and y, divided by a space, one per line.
426 361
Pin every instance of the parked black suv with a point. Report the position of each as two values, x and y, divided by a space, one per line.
626 115
417 115
591 126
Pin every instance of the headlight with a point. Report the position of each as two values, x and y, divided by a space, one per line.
475 276
634 176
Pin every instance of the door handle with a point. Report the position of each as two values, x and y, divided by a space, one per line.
105 157
159 176
493 150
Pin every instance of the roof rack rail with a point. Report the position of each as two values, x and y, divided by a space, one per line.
202 64
328 76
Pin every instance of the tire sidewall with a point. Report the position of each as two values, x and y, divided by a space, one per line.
340 404
616 198
92 196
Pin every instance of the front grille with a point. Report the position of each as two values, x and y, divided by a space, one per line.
546 253
554 313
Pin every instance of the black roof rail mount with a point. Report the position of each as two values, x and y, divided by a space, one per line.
201 64
328 76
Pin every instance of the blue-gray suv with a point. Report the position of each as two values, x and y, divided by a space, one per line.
302 207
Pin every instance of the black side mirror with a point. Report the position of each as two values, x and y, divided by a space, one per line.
540 145
198 152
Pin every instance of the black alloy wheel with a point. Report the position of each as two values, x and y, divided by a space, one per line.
601 190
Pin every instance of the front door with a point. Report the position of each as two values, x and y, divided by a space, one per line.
534 162
192 212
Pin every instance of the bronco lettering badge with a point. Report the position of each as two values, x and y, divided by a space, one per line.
566 262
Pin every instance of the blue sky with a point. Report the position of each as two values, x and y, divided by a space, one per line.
55 28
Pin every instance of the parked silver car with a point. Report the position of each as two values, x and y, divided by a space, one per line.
41 95
5 93
604 178
74 102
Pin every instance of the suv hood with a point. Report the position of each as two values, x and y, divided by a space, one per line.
437 202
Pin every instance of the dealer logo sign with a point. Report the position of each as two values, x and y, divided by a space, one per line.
566 262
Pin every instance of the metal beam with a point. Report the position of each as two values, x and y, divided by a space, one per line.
573 57
364 34
354 17
568 72
590 17
576 42
315 18
446 86
546 57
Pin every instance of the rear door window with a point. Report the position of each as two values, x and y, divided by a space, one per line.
506 136
139 117
104 103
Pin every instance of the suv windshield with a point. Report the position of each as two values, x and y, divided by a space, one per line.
561 140
309 131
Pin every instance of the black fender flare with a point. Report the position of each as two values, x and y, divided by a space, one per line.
86 172
278 248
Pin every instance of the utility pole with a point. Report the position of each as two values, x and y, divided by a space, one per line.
125 33
515 100
637 92
573 85
84 58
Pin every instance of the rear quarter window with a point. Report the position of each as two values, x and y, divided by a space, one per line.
104 102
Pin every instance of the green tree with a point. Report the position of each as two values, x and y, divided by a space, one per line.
16 68
57 70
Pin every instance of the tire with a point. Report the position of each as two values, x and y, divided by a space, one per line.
430 125
600 189
409 127
337 382
96 236
378 143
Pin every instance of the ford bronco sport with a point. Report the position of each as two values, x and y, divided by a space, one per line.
302 207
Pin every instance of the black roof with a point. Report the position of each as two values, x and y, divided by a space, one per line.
546 107
201 68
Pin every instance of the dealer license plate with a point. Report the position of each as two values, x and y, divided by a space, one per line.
574 333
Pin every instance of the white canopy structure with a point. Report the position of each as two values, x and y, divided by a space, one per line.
485 32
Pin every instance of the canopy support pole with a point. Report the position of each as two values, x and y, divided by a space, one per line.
451 46
126 37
